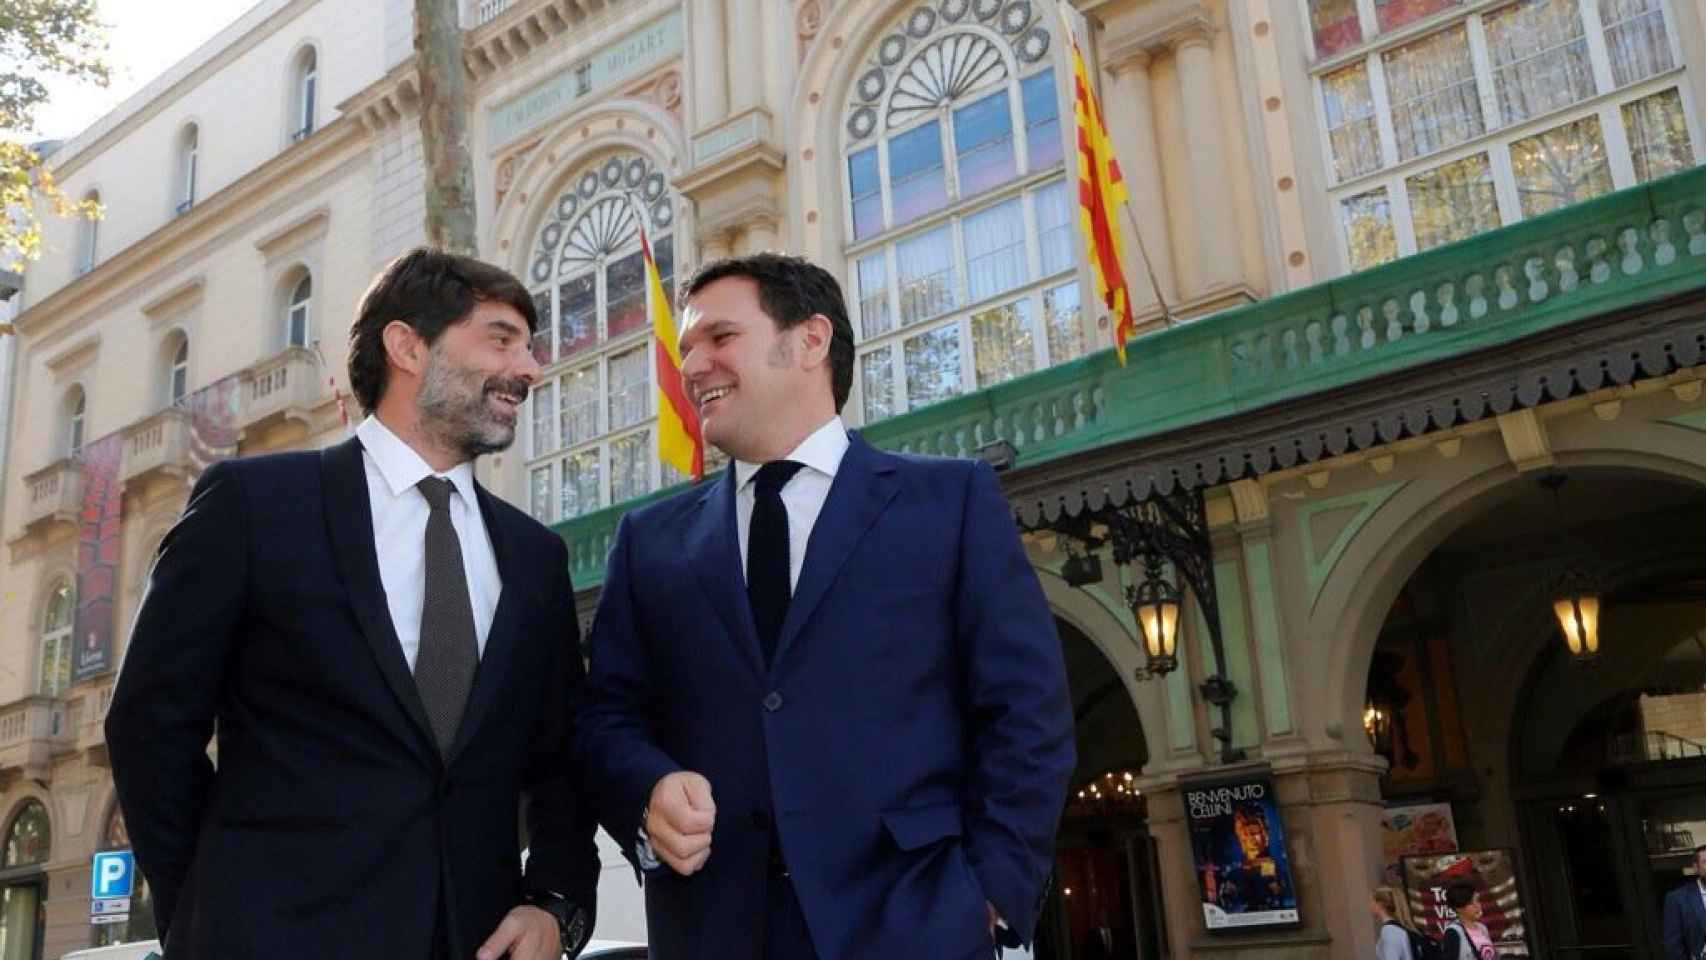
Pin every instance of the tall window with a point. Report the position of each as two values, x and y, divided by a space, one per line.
28 843
959 220
178 371
1493 116
297 331
56 640
88 236
189 145
591 415
76 407
304 94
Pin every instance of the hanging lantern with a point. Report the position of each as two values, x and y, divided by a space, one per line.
1155 604
1576 605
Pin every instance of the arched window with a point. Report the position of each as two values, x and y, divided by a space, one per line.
88 236
959 222
189 145
304 94
178 370
297 328
29 839
76 407
591 413
56 623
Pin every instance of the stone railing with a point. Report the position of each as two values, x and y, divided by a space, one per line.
32 730
286 386
1585 261
157 443
485 11
53 493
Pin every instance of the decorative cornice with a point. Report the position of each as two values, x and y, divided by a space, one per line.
387 100
1165 30
75 356
286 239
176 300
516 33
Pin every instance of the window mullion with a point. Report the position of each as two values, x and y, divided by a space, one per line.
884 187
1599 54
950 155
1617 153
1366 19
1382 112
1482 59
1403 226
1504 182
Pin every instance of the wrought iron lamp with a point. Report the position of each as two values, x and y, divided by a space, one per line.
1575 596
1155 604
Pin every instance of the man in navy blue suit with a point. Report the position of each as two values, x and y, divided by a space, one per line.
827 710
1685 914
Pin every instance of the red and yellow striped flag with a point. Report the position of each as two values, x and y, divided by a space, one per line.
1101 191
679 442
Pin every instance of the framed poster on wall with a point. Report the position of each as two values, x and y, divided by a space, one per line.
1238 847
1414 830
1493 875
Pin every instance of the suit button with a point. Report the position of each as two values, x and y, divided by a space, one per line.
760 819
773 702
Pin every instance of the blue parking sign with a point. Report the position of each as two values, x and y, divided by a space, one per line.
113 873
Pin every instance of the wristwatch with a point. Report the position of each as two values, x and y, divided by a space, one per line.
571 918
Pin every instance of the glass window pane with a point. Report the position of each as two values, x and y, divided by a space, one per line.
1431 85
1369 236
1065 322
663 254
1003 343
1348 101
933 366
866 189
580 484
995 249
625 294
1635 38
1042 120
578 407
916 180
876 370
1540 57
1452 202
577 325
628 388
1562 166
1392 14
29 840
630 466
1658 135
543 401
983 144
1335 25
874 315
59 608
539 498
927 279
1054 226
547 328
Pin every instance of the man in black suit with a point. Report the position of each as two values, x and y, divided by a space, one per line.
1685 914
388 654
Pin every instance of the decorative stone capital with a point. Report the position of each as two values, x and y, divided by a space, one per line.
1169 29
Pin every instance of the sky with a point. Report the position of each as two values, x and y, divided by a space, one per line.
143 42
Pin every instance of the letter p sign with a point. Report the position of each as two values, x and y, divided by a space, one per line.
112 874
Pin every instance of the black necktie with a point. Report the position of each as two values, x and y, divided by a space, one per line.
449 651
768 584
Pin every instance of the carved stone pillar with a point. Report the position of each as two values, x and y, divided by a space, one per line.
710 96
1132 127
1216 246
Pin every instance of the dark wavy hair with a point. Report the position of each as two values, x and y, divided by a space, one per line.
791 289
429 289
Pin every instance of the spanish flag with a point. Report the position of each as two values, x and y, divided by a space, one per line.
1101 191
679 442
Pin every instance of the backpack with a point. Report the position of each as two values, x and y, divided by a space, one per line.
1422 946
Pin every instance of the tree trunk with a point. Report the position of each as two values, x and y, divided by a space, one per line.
444 126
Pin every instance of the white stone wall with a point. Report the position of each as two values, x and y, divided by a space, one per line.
399 201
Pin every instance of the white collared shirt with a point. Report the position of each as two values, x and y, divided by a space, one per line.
400 514
803 497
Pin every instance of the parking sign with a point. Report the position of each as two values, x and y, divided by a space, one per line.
113 873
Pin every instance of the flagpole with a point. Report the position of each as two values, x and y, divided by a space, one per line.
1142 248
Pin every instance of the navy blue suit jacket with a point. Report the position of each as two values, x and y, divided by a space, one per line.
910 744
332 826
1684 923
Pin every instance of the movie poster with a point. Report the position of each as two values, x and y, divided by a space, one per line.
1491 873
1243 871
1414 830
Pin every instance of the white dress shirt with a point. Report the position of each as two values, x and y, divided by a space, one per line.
400 514
803 497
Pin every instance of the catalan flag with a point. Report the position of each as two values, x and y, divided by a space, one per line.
679 442
1101 192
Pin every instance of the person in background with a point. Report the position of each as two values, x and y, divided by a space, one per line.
1685 914
1466 938
1392 942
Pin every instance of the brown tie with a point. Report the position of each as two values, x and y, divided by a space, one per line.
449 650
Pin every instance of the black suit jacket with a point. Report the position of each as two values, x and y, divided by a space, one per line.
1685 923
332 826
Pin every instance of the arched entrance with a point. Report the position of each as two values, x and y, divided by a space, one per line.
1105 900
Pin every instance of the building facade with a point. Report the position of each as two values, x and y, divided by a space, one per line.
1417 255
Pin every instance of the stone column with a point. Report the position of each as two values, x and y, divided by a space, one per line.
1216 230
762 235
746 56
709 96
1131 125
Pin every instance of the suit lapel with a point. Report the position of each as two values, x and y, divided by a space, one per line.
349 520
864 484
713 550
501 640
